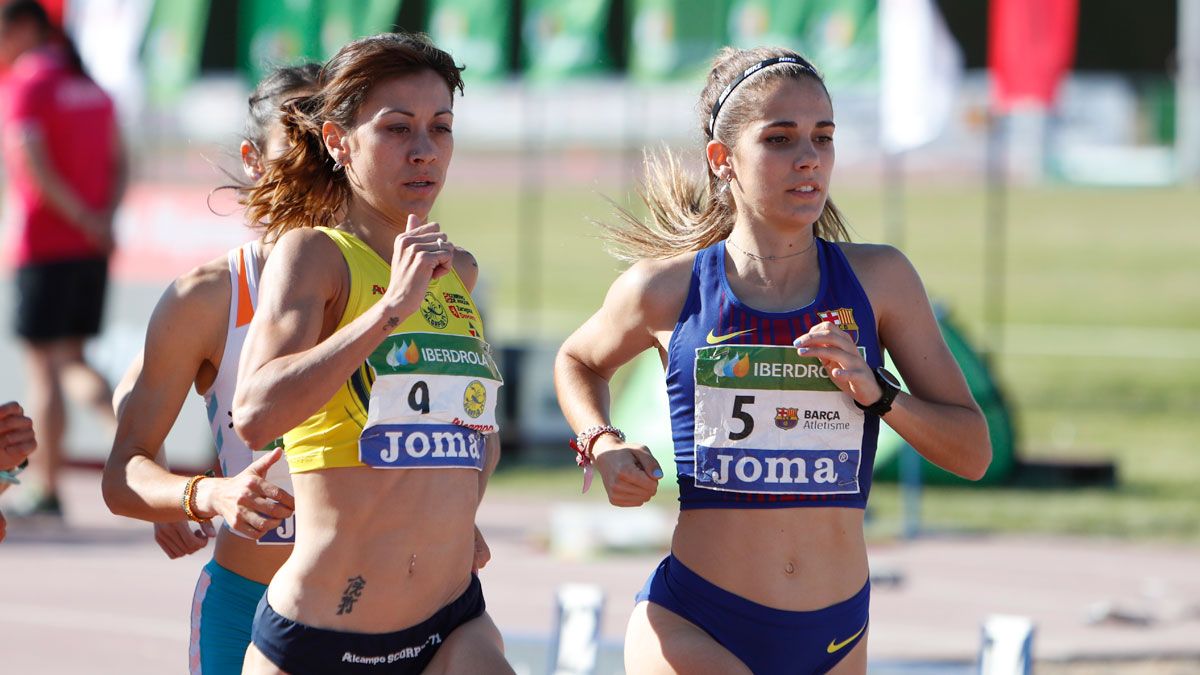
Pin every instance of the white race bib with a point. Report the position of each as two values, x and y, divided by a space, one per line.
433 399
771 421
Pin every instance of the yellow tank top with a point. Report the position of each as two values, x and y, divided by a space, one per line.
425 395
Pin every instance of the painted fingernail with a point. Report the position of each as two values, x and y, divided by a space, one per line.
657 473
802 350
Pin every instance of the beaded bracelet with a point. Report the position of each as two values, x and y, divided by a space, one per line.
189 495
582 444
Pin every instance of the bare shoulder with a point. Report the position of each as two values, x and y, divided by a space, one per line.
305 242
191 315
466 267
307 257
657 288
199 295
888 277
878 265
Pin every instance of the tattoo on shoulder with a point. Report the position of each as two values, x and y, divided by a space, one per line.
353 592
391 324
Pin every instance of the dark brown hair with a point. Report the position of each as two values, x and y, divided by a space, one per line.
686 214
301 188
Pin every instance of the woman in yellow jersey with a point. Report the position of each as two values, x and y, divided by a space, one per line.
367 346
194 340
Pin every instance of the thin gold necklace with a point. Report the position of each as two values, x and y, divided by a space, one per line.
772 257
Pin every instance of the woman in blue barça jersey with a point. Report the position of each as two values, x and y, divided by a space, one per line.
771 328
366 353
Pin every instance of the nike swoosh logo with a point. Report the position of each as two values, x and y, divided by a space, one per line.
716 339
835 646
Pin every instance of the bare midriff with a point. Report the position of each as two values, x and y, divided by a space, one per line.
799 559
384 547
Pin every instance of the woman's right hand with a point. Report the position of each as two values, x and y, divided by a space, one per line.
420 255
16 435
630 473
178 539
249 503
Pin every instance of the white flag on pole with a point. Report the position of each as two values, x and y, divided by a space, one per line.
920 72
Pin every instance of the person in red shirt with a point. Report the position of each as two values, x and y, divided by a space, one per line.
66 173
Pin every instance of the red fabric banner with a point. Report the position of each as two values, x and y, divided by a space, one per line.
1031 45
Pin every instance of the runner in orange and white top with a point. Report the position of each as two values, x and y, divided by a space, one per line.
195 340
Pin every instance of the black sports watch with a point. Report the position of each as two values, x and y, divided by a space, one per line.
889 386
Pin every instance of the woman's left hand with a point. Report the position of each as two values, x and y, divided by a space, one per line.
840 356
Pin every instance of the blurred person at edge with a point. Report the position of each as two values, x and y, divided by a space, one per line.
194 340
345 356
17 440
67 174
771 327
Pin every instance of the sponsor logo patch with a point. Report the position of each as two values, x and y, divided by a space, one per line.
717 339
734 366
404 354
842 317
474 399
434 311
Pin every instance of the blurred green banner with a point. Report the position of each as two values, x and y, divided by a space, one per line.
565 39
174 38
675 38
840 37
476 33
346 20
273 33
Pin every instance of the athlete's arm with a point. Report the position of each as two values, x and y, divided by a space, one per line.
940 418
467 269
176 538
642 302
186 328
151 393
288 371
120 172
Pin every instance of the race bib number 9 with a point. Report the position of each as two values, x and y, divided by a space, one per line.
771 421
433 399
285 532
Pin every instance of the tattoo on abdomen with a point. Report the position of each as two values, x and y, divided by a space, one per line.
353 592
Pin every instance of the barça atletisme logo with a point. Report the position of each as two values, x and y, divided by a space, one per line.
843 318
787 418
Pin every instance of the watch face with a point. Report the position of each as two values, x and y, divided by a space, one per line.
888 377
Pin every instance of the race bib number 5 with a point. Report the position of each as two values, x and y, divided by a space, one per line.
771 421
